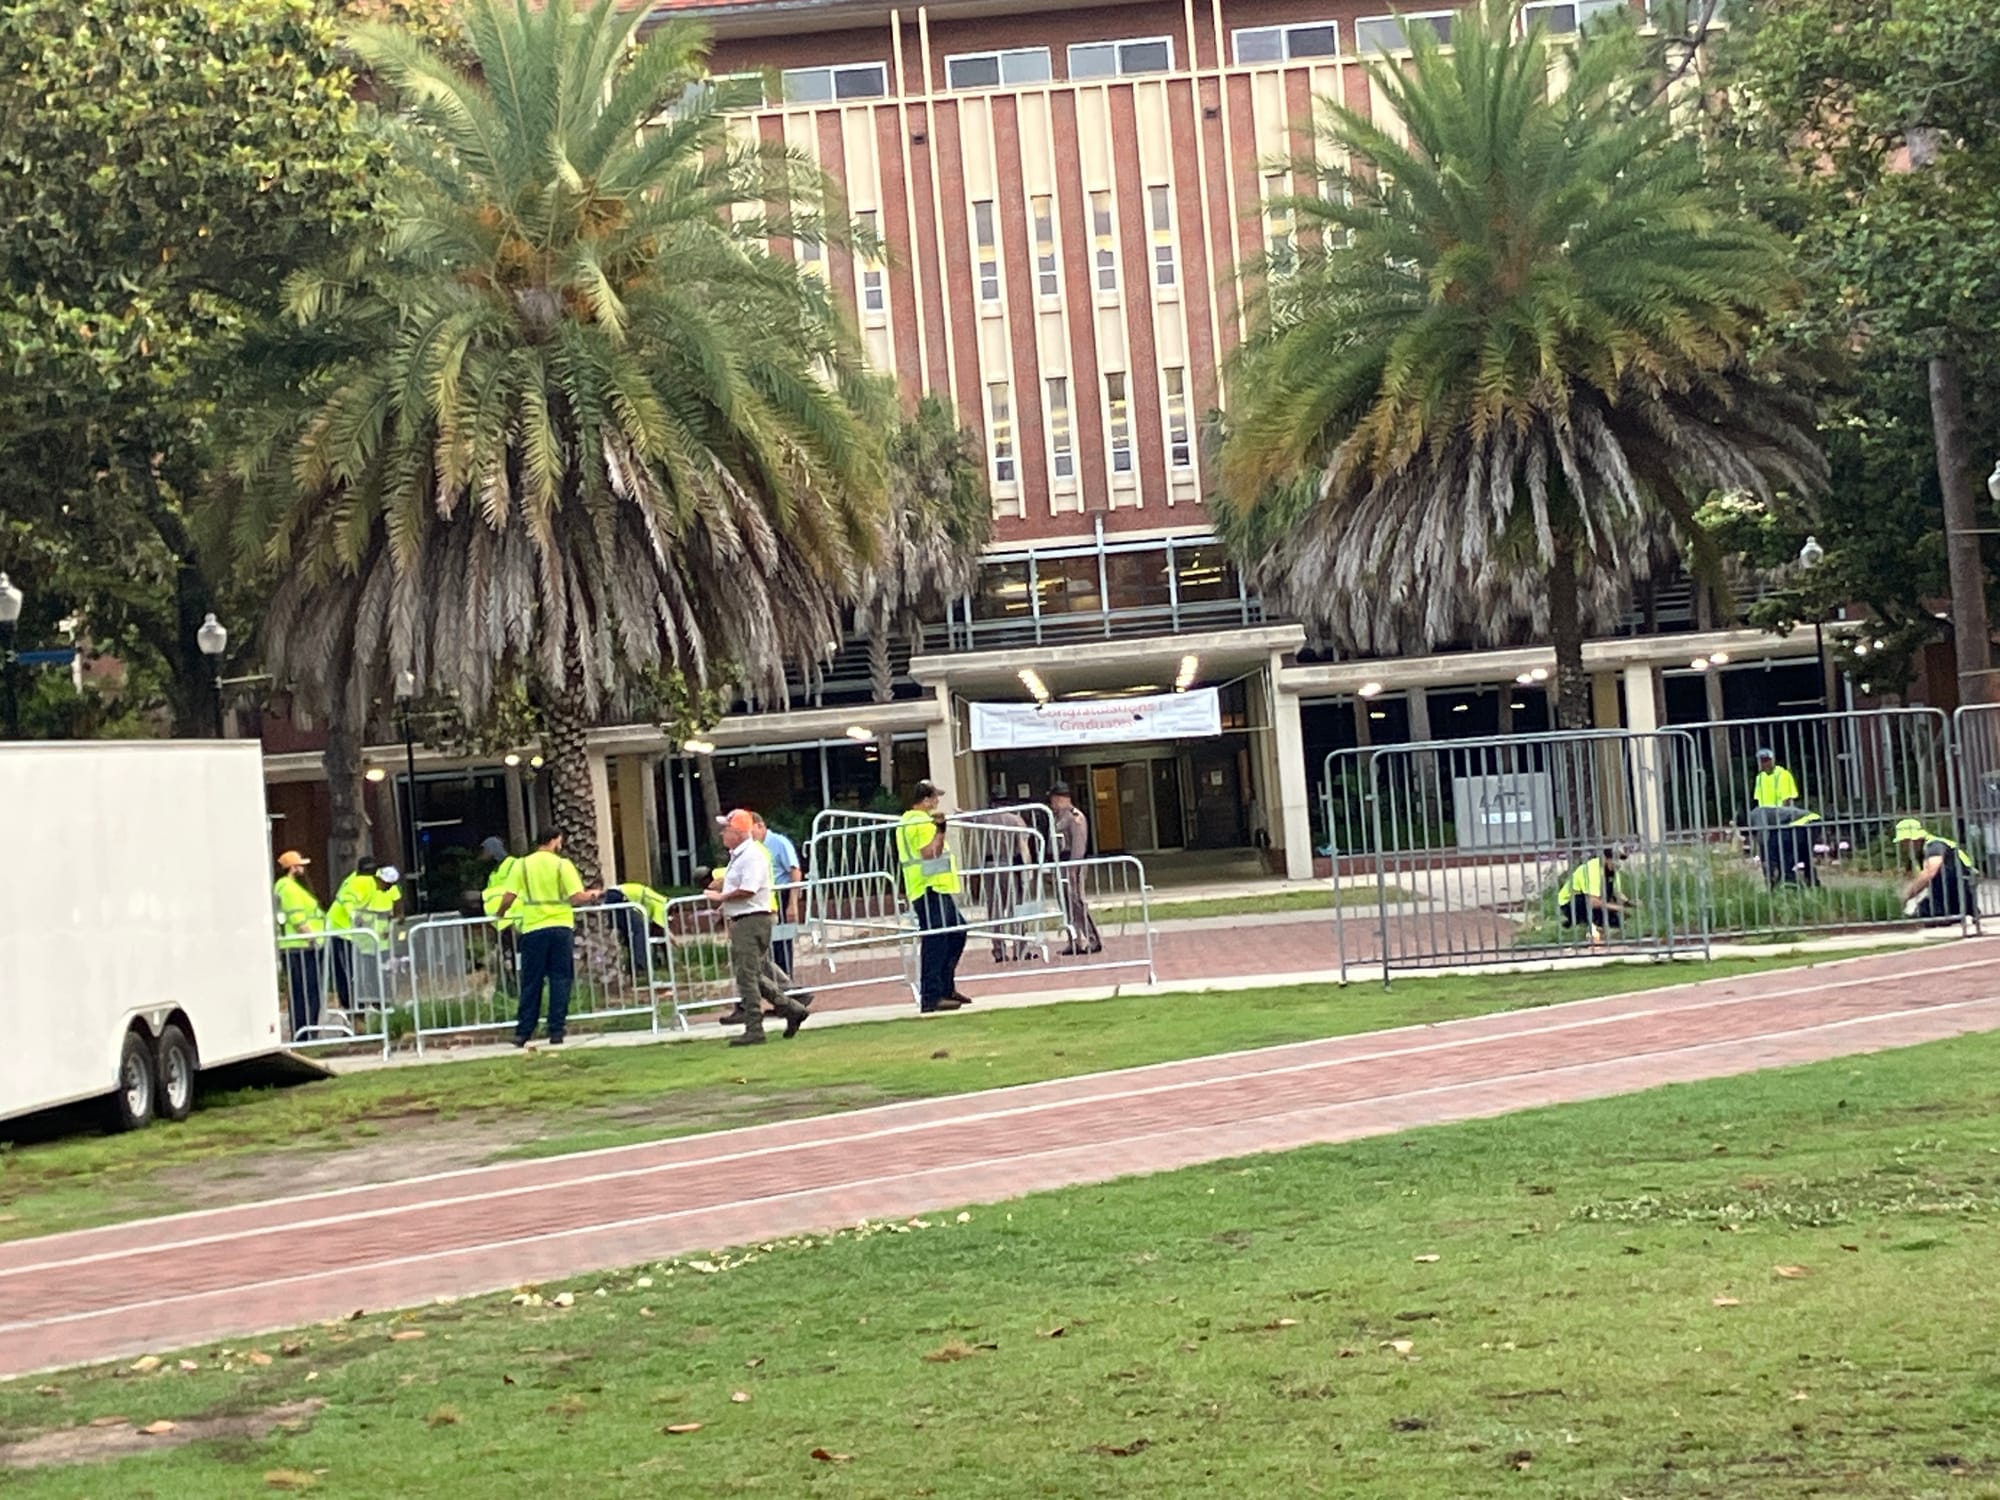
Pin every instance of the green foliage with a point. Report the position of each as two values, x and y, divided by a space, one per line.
163 165
1503 362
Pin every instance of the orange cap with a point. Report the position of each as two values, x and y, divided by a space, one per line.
739 820
291 859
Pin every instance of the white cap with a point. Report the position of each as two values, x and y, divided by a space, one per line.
388 874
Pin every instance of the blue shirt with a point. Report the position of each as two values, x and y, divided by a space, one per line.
784 856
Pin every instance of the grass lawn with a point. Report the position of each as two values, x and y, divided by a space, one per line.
1322 899
1772 1286
366 1127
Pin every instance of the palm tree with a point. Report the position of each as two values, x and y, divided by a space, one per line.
569 421
939 519
1507 356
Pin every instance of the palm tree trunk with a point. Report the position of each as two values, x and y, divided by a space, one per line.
1572 703
882 688
566 747
342 759
517 812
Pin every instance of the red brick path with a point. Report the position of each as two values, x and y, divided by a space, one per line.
116 1291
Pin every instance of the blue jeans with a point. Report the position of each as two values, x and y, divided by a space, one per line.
941 949
548 955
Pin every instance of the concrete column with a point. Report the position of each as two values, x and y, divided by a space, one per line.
607 824
938 739
638 826
1289 812
1642 709
1604 700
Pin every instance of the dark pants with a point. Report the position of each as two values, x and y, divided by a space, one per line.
549 954
936 912
633 931
1076 914
341 952
781 954
1580 913
302 983
1949 895
1788 856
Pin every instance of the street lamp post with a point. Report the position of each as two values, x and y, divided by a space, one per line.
214 641
10 659
406 692
1811 555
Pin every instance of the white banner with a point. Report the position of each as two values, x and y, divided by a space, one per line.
1096 721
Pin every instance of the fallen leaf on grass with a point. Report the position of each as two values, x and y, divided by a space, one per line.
1852 1249
566 1299
739 1397
753 1361
160 1428
1056 1332
826 1457
1727 1301
939 1055
444 1416
1400 1346
677 1428
290 1479
1277 1323
404 1335
1429 1260
146 1365
1137 1445
258 1357
1520 1459
1792 1273
506 1379
956 1349
1407 1424
190 1365
109 1421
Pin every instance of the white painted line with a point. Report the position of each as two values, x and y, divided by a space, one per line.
668 1215
977 1117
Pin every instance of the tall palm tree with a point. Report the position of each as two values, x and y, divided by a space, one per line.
1507 356
939 519
594 424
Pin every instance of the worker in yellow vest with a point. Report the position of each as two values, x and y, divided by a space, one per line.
1775 786
635 910
302 929
547 890
366 903
1946 888
506 930
930 881
1588 897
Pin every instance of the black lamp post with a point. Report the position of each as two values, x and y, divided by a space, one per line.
406 692
10 659
214 641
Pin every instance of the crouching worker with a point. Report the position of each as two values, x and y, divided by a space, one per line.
1588 897
636 909
1946 885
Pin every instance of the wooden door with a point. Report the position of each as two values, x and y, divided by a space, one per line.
1107 828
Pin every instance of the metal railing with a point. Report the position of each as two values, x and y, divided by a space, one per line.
351 975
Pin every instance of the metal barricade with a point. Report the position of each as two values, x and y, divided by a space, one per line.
1102 919
339 991
1975 732
1523 847
1809 845
465 973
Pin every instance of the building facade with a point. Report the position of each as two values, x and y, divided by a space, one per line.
1060 211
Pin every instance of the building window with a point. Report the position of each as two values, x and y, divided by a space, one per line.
1000 410
1278 222
1062 451
1153 54
1160 210
812 257
986 250
1104 248
869 254
1276 44
1567 17
1375 34
1044 209
1180 445
989 70
1121 422
820 85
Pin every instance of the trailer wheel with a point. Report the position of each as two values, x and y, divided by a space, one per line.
174 1074
132 1102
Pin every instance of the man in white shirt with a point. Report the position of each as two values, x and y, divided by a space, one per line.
745 899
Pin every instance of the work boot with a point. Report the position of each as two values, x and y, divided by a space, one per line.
795 1020
734 1017
748 1039
941 1005
961 997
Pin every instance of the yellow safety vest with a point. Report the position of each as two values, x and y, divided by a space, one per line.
648 900
1774 788
916 830
542 884
299 913
361 902
496 887
1952 844
1587 879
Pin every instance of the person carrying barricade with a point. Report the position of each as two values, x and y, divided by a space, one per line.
1946 887
930 881
302 925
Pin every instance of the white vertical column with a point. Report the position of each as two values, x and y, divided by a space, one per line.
607 823
1291 817
1642 718
938 738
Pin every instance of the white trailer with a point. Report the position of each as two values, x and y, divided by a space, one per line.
137 941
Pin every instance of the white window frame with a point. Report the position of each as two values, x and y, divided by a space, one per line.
1103 256
872 291
1586 12
1062 434
1000 57
986 253
1166 265
1001 431
1048 265
1180 445
1402 23
1118 44
1117 426
833 72
1284 31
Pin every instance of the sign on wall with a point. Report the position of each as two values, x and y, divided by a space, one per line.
1097 721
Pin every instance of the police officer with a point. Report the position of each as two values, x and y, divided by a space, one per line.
930 880
1946 885
547 890
1588 896
302 925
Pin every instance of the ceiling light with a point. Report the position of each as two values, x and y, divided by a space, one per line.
698 747
1032 681
1860 648
1524 679
1370 689
535 761
375 773
1461 708
1540 674
1718 658
1517 705
510 759
1190 665
1700 664
860 732
1376 713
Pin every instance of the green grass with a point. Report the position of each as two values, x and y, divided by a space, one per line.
1322 899
543 1103
1577 1302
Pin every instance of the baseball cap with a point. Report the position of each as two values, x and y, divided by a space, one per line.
1910 828
493 848
291 859
388 874
1765 754
925 790
737 819
1059 789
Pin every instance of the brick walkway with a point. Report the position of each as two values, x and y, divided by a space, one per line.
113 1292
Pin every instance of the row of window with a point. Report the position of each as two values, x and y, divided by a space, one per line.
1018 66
1103 243
1061 426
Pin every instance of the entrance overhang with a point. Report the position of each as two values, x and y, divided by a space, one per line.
1108 666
